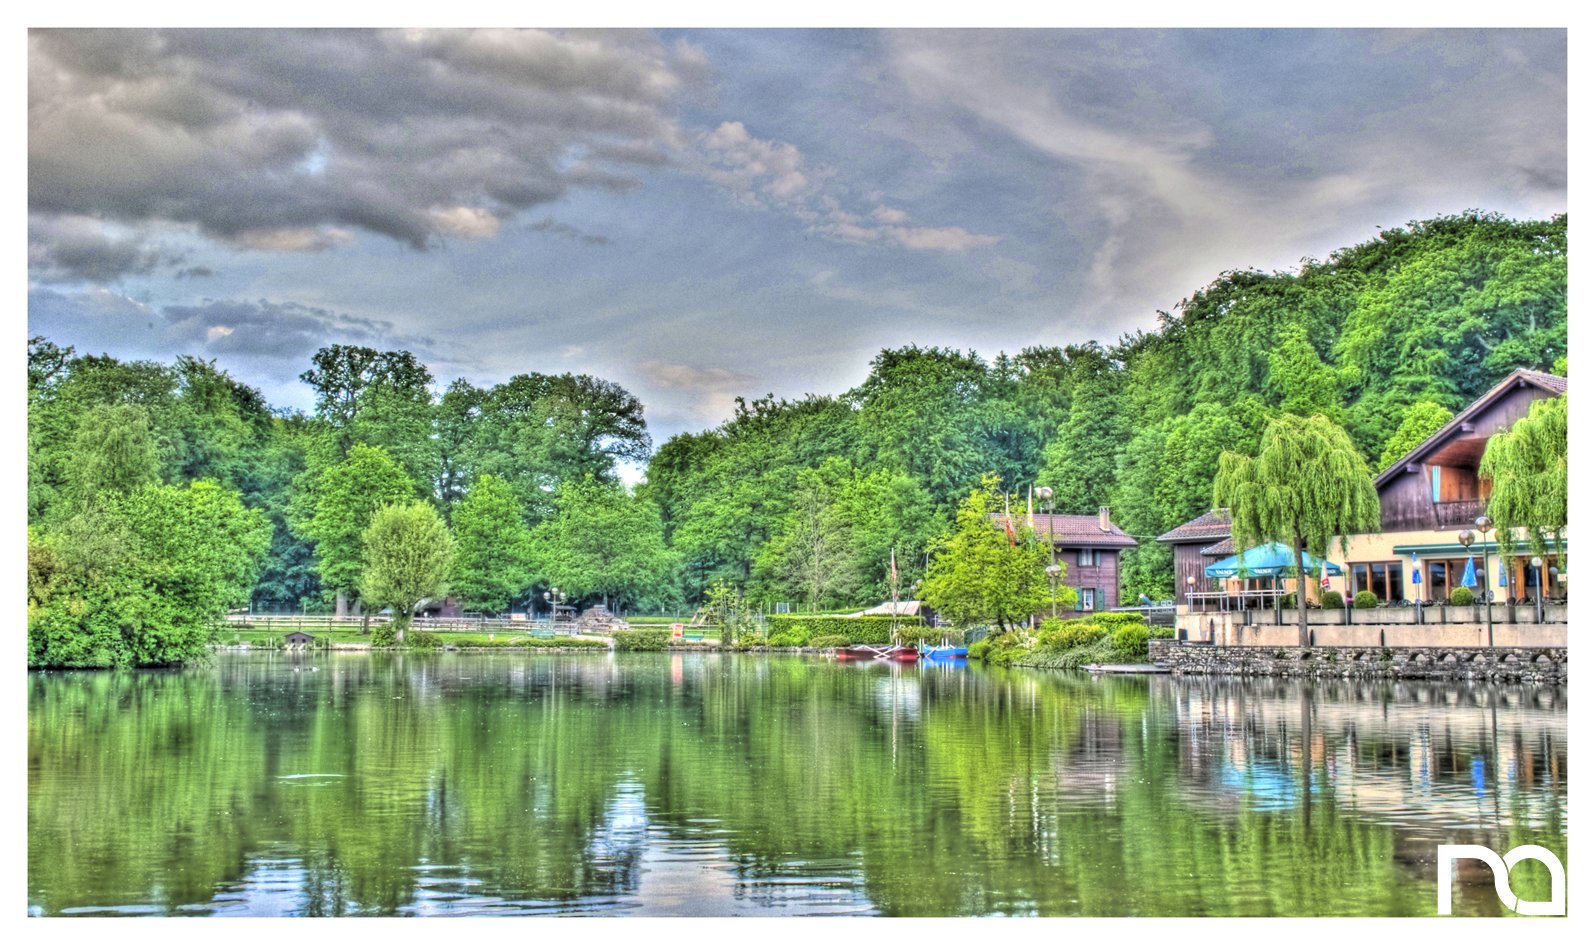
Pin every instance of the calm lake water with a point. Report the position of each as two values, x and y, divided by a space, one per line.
701 784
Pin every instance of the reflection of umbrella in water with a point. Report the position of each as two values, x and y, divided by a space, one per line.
1469 579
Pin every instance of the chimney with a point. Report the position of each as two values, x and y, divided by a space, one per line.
1102 519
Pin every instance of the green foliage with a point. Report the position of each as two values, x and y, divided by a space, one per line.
1307 485
1364 600
407 555
1420 421
1331 600
1298 377
1462 596
794 636
113 452
337 503
977 575
850 629
604 541
140 579
1527 469
1078 463
494 555
1068 634
640 640
828 641
384 634
1129 642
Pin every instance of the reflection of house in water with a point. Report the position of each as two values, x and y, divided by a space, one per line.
1096 763
1405 753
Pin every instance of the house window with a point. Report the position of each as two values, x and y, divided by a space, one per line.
1383 578
1089 557
1088 598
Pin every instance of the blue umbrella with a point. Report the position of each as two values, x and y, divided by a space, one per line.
1469 579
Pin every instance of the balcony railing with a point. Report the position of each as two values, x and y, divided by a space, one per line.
1459 513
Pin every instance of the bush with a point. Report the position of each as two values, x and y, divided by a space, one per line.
855 629
1364 600
1066 635
421 640
1288 602
382 635
1462 597
642 640
790 636
1331 600
828 642
1129 642
1114 620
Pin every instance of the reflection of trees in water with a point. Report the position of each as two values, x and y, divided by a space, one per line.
931 791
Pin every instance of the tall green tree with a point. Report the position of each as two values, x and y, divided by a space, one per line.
978 573
1527 470
406 555
1308 484
494 557
334 506
114 451
1419 421
380 398
1079 462
605 542
140 578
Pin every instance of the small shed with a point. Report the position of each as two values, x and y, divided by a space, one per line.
298 638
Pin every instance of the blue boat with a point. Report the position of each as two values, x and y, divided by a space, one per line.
945 652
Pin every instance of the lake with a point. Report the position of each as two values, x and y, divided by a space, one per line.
325 783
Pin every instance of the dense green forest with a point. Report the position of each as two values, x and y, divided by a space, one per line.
803 500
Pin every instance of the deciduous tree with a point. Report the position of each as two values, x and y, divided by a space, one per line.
406 552
1308 484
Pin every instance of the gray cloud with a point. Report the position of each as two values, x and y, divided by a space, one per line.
262 342
774 174
295 141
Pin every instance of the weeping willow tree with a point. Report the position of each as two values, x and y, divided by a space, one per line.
1527 469
1307 484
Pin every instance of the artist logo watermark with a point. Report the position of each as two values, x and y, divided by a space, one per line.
1500 869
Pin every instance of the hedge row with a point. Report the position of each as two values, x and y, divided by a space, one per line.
643 640
800 629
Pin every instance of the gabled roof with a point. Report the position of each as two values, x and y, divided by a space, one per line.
1552 384
1209 526
1221 549
1075 531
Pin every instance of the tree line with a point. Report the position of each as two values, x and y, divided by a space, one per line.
809 500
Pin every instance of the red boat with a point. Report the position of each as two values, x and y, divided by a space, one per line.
864 651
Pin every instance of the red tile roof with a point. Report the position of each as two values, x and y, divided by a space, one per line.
1205 527
1074 531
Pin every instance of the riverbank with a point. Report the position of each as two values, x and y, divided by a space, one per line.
1497 664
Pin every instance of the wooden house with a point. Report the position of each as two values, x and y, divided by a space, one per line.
1427 496
1088 547
298 638
1198 543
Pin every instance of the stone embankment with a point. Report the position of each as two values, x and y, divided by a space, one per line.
1539 664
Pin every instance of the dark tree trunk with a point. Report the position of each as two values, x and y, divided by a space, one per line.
1305 638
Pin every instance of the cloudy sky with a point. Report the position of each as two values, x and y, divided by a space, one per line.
699 215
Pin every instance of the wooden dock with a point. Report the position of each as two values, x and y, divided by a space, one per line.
1127 668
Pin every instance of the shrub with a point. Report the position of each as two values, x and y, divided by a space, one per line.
829 641
979 648
1331 600
746 642
1462 597
642 640
421 640
1066 635
1364 600
855 629
1288 602
382 635
1130 641
1115 620
790 636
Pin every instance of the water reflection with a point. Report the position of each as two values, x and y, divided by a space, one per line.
642 784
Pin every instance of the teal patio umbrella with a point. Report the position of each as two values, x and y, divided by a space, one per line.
1267 560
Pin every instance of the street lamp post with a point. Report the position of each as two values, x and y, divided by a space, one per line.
1053 573
1484 524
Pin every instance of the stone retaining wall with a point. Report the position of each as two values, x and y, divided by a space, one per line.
1545 664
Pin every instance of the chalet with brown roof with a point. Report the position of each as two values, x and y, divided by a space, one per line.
1088 547
1198 543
